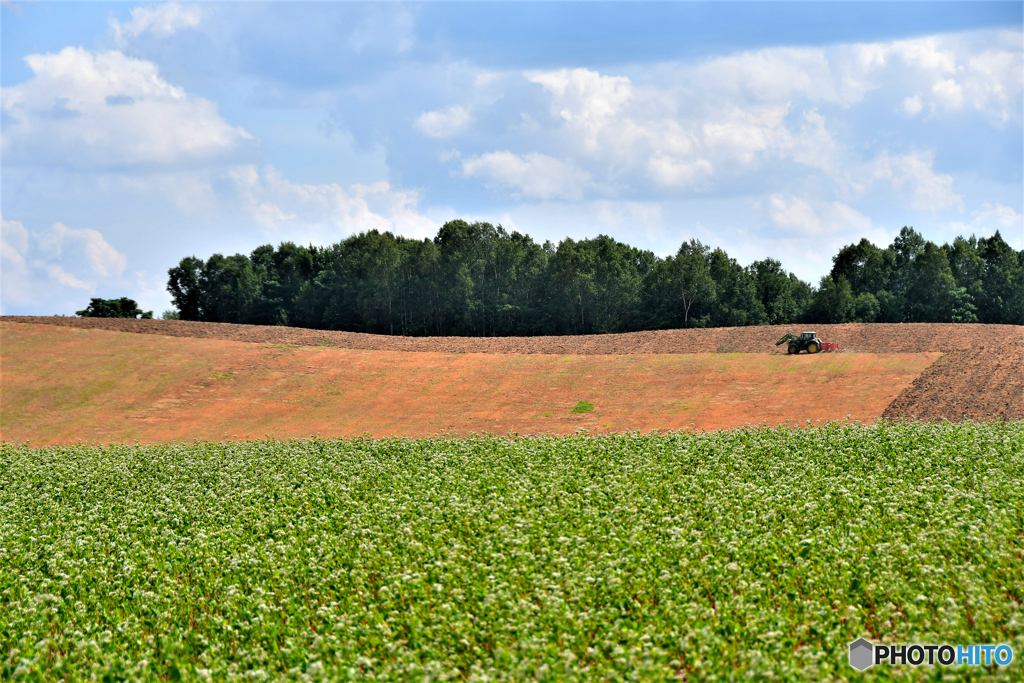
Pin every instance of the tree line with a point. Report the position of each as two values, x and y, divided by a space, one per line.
476 279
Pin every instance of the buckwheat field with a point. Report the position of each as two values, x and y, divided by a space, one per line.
753 553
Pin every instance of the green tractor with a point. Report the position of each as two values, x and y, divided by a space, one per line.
808 341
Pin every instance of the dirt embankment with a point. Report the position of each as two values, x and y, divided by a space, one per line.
61 384
966 385
862 338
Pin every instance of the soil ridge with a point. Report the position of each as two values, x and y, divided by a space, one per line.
853 337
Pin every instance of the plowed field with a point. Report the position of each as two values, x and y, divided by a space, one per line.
966 385
97 380
874 338
62 384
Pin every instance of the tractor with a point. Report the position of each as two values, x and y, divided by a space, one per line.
808 341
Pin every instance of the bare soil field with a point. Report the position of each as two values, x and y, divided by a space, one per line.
860 338
974 384
81 382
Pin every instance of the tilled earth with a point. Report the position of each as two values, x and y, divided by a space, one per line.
861 338
970 384
981 375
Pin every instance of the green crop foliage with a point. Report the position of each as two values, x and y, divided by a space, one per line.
752 553
583 407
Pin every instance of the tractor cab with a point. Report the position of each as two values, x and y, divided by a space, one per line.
807 336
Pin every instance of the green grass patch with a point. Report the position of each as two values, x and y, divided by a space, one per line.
219 375
714 556
583 407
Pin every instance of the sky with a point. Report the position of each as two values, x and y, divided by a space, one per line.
134 135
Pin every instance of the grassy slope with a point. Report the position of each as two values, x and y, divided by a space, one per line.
64 384
693 556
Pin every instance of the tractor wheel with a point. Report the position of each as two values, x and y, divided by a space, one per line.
793 348
813 347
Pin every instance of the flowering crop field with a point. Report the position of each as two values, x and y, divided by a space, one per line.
759 552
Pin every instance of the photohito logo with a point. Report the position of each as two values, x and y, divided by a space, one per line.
865 654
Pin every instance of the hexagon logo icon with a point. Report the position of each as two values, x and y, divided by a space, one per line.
862 654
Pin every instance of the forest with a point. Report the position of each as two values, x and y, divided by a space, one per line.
476 279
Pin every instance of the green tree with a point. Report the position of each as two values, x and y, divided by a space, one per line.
114 308
907 246
775 291
736 302
866 307
183 284
679 290
833 302
964 310
930 292
1002 297
231 290
866 267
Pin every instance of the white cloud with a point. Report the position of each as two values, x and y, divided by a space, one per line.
912 174
983 70
667 170
14 269
805 233
708 125
163 19
443 123
930 53
799 216
998 214
85 247
85 110
326 212
584 99
794 214
986 220
995 82
62 277
38 266
14 237
535 176
912 106
743 134
636 214
773 75
949 93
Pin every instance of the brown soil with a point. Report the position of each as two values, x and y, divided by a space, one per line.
873 338
67 383
966 385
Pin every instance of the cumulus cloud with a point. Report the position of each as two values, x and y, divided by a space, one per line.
87 109
805 232
986 220
638 214
534 176
38 265
912 106
444 123
913 175
586 100
980 70
707 126
326 212
667 170
163 19
838 75
998 214
86 247
798 215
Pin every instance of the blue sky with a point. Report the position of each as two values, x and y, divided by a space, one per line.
136 134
